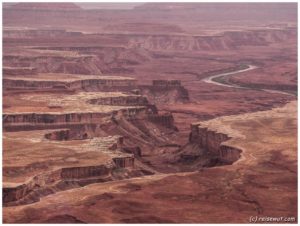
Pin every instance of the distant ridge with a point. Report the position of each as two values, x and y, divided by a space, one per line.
46 6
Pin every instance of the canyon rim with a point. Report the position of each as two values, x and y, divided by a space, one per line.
164 112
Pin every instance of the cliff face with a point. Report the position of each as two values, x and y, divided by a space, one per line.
165 120
55 64
100 84
25 84
124 162
165 91
212 143
121 101
103 85
161 91
32 121
84 172
40 118
73 60
19 71
84 125
62 179
67 134
227 41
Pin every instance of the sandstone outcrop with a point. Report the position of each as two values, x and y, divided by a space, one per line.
226 41
165 120
124 162
97 84
19 71
121 101
66 134
212 142
72 117
165 91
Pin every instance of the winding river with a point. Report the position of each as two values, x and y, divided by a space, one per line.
214 80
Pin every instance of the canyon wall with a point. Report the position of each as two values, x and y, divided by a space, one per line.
165 91
48 183
124 162
27 84
227 41
213 143
55 63
51 118
100 84
32 121
67 134
166 120
121 101
19 71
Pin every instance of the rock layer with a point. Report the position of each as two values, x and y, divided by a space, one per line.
213 142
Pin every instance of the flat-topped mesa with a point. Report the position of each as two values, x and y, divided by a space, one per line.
38 33
80 108
50 6
19 71
33 121
223 41
87 84
213 143
135 100
44 119
167 83
165 91
103 85
121 101
98 159
49 182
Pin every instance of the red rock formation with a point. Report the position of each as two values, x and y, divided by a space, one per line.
212 143
136 151
100 84
63 179
67 134
103 85
121 101
84 172
165 91
19 71
165 120
124 162
27 84
166 83
227 41
47 118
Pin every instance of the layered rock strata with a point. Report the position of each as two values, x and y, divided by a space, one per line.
67 177
93 84
214 143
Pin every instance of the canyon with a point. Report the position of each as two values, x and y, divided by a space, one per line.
146 115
